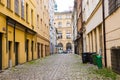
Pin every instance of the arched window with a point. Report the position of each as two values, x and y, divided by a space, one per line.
60 46
68 46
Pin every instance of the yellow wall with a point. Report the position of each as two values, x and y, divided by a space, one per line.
2 27
43 27
11 38
10 12
21 35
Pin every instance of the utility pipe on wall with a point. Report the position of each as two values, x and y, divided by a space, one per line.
104 32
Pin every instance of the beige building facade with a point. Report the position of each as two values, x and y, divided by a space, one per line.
101 24
112 25
64 31
93 26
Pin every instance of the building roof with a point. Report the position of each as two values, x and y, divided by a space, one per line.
65 12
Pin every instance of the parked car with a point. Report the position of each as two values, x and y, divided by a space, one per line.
65 52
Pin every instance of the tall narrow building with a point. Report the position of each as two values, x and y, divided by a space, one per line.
42 28
53 35
77 27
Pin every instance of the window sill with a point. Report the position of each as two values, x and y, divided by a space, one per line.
23 18
9 9
2 4
32 27
17 14
27 22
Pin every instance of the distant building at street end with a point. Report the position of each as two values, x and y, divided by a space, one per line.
63 25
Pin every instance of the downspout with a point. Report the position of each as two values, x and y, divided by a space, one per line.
25 40
82 27
104 32
14 37
6 34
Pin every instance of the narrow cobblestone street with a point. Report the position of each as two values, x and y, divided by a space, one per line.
55 67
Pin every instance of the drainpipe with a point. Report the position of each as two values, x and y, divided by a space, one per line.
14 36
104 32
25 40
82 27
6 34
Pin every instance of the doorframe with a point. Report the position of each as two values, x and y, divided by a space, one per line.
10 54
38 49
42 50
1 35
32 49
17 56
27 50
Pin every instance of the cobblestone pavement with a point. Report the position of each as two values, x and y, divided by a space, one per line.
55 67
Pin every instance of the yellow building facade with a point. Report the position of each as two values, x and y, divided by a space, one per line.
64 30
24 31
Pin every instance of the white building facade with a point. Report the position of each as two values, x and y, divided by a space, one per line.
53 34
93 26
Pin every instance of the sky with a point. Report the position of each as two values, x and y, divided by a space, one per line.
64 5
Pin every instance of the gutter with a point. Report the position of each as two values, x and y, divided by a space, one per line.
104 32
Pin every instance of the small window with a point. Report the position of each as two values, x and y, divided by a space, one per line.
38 21
8 4
59 24
68 24
59 17
1 1
59 35
32 17
113 5
17 7
68 36
68 16
26 12
22 8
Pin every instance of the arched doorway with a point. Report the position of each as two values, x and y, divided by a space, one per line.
60 47
68 47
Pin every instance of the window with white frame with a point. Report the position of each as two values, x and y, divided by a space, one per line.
68 35
59 24
68 16
68 24
59 17
59 35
